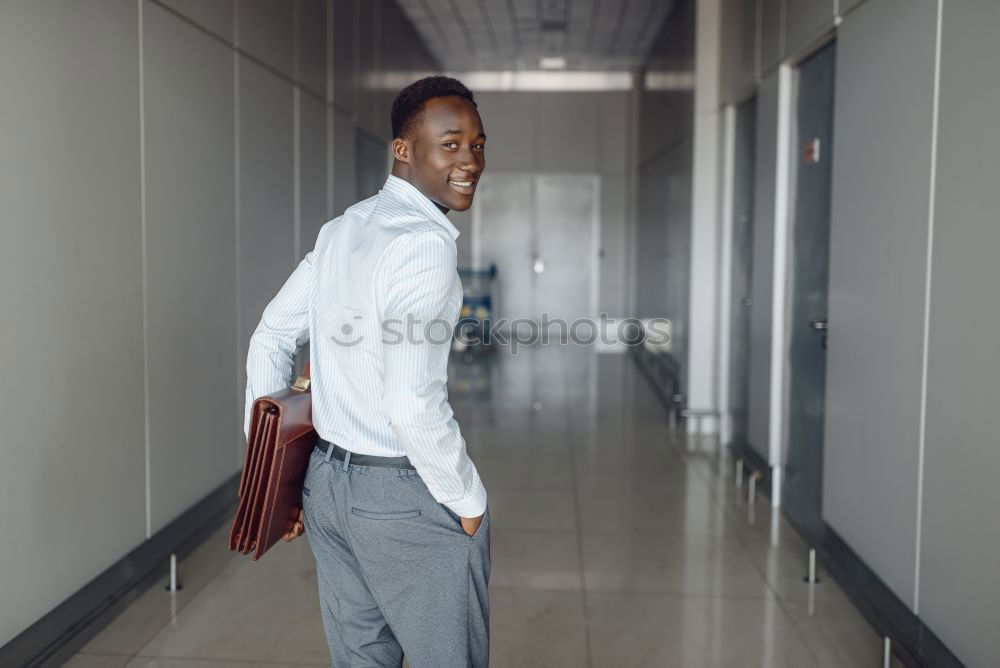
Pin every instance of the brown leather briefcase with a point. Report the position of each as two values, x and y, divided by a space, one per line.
279 442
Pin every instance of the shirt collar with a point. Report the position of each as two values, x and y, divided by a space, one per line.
407 192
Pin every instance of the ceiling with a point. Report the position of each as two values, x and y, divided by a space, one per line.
591 35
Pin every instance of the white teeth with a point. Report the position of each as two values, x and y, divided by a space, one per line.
463 184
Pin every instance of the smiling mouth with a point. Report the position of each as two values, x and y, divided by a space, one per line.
465 187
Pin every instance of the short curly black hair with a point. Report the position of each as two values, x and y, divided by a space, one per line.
409 104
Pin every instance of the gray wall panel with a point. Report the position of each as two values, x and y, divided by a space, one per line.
747 73
344 58
71 278
312 45
563 121
651 246
394 31
267 31
805 20
213 15
530 132
739 50
664 243
772 29
612 294
344 161
959 590
372 163
878 244
762 281
191 262
847 5
614 117
312 171
366 106
70 204
511 132
616 178
664 161
266 198
666 117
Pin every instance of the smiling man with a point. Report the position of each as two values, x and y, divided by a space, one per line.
393 508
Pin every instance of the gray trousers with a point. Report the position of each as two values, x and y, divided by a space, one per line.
397 574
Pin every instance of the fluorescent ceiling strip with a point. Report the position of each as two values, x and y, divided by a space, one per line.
509 80
668 80
538 80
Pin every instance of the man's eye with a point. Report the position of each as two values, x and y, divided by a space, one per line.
479 147
451 144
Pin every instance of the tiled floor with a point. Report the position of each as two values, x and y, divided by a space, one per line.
612 547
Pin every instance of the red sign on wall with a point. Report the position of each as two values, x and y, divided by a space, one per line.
812 151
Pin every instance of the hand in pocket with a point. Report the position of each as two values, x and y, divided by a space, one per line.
470 525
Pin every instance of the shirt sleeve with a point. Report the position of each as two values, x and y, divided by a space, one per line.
420 275
283 327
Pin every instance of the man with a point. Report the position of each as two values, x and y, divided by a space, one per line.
393 508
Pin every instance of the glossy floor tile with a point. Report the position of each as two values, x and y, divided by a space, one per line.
616 542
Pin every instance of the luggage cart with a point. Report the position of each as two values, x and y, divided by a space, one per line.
479 298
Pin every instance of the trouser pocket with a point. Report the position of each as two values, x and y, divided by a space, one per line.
391 515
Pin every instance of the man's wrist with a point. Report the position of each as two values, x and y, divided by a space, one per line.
472 505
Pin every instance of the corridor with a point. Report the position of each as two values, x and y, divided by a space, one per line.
611 546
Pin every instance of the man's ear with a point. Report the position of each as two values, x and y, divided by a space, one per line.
400 150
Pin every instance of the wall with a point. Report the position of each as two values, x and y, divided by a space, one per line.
740 70
664 155
72 297
911 427
788 28
565 132
878 269
960 538
161 184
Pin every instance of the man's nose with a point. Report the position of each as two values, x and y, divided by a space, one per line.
467 162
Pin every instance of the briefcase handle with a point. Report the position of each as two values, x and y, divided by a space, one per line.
302 383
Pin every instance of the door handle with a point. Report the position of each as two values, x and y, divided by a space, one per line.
819 325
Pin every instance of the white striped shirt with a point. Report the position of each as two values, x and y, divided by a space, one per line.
377 298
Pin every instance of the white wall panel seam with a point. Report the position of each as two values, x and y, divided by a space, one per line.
931 197
145 278
780 266
725 268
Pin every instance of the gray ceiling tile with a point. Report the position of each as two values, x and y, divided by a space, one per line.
504 34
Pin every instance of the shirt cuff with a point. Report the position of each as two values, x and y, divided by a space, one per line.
473 505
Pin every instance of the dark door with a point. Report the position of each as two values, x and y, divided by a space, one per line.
810 251
739 344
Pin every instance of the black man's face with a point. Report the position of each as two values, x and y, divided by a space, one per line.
448 152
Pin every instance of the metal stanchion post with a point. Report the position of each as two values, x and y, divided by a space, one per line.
174 584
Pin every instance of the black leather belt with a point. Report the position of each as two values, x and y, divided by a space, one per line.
358 459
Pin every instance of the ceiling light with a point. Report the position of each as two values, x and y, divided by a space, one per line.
552 63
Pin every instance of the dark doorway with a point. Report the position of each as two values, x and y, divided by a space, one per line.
812 135
742 271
